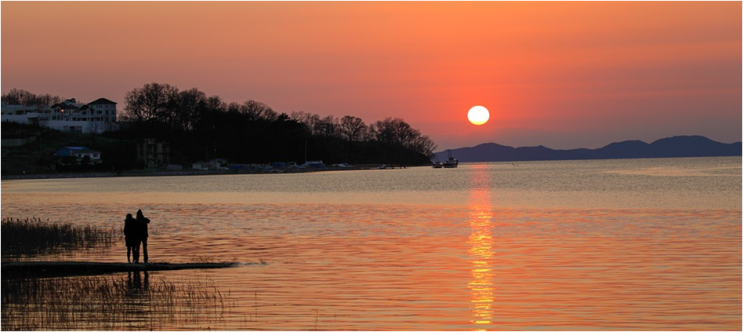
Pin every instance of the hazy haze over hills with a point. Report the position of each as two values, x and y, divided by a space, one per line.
677 146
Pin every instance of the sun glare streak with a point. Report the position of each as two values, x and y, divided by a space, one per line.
481 249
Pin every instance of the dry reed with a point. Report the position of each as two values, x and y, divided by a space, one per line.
118 302
33 236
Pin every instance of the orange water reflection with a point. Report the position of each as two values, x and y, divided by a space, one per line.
474 261
481 247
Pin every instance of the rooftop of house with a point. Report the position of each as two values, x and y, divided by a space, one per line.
101 101
65 105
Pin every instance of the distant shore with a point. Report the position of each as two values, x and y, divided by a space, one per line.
107 174
141 173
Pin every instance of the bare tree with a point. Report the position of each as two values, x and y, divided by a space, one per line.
326 126
308 119
215 103
397 131
47 100
258 111
153 102
424 145
352 128
25 98
19 97
188 104
383 130
234 107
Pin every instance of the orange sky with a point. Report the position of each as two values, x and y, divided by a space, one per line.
560 74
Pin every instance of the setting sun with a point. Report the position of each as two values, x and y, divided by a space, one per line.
478 115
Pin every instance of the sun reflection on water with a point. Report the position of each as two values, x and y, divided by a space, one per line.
481 248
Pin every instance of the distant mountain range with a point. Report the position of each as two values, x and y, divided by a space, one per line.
677 146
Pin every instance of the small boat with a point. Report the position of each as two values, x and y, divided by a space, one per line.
437 165
451 162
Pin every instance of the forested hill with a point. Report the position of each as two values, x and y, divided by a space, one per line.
678 146
201 127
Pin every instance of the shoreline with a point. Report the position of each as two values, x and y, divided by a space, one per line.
107 174
145 173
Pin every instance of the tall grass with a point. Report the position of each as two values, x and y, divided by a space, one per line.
128 301
34 236
119 302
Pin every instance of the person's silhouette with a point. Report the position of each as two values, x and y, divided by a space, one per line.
142 232
131 235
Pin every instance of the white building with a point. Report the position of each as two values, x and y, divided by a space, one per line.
23 114
103 110
95 117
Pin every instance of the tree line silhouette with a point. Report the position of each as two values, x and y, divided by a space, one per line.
22 97
201 127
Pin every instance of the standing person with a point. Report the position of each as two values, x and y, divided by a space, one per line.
143 234
131 237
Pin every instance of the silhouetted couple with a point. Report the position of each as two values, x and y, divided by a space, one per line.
135 233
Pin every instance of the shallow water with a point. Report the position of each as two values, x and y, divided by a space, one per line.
649 244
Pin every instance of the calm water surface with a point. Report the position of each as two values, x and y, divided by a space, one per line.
648 244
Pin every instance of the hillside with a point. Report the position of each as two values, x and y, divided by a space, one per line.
677 146
36 156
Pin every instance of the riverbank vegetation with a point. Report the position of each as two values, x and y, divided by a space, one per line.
116 302
33 236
